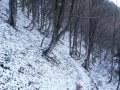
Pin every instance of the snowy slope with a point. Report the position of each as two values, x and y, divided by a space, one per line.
23 68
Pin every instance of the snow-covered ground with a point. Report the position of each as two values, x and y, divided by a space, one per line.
22 66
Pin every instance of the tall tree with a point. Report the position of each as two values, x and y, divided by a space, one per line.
59 9
95 10
12 12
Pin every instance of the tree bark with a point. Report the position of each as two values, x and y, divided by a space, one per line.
12 12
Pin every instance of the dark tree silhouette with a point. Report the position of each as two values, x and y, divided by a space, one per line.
12 12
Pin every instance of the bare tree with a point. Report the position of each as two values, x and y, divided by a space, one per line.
94 10
57 22
12 12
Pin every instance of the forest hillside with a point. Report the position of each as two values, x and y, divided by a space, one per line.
40 53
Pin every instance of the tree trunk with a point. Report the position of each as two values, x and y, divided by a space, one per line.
12 12
59 10
93 24
51 45
23 5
